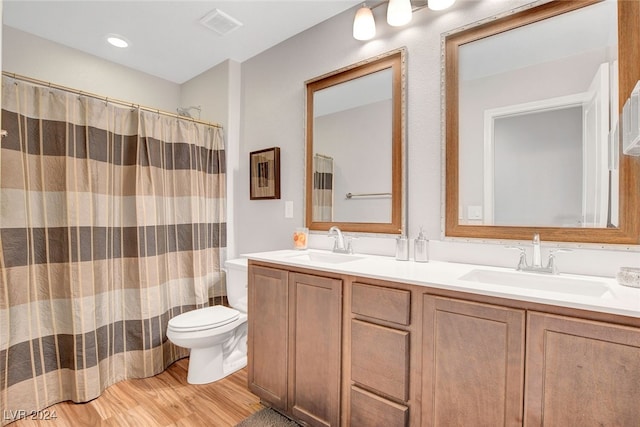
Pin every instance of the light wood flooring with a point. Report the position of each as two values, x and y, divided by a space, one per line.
164 400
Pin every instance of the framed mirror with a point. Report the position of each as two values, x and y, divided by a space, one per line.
355 131
531 105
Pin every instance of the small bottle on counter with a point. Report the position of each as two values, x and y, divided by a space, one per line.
421 248
402 248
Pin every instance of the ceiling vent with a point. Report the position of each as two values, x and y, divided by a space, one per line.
220 22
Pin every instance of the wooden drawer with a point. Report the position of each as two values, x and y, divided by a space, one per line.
380 359
369 410
391 305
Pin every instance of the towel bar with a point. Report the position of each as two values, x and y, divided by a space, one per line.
351 195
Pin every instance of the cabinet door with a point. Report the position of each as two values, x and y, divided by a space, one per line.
581 373
314 374
473 364
267 339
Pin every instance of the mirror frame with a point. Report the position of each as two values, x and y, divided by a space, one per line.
396 60
628 231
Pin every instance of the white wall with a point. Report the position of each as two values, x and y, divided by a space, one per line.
210 92
35 57
217 92
273 115
232 132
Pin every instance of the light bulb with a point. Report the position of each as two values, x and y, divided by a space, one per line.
439 4
364 26
398 12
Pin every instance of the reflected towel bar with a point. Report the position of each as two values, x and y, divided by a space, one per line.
350 195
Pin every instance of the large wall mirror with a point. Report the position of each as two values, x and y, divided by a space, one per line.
355 175
532 101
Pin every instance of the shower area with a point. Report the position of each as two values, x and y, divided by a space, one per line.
112 221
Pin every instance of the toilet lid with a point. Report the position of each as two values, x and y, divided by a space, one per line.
204 318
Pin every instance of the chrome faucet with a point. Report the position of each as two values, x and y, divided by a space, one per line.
341 244
536 264
536 257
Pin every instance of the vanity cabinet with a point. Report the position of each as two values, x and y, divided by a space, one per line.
472 362
295 343
581 372
344 350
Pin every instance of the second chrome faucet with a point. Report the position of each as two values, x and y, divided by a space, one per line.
536 258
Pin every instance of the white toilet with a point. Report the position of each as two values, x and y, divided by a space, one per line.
217 336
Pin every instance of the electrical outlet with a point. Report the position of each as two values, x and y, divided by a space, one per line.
474 212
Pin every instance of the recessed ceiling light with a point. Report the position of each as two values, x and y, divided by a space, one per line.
117 41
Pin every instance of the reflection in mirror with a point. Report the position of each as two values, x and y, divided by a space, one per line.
540 122
352 134
531 99
354 130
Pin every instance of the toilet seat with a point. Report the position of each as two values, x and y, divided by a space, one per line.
203 318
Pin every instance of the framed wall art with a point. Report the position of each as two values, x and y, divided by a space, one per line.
264 178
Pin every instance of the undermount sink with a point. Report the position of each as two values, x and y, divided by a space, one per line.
326 257
540 282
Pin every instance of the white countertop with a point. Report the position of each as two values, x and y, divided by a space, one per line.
616 299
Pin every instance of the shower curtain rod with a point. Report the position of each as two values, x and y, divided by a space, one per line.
107 99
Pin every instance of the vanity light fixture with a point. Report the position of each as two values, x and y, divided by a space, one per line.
364 26
399 12
117 41
439 4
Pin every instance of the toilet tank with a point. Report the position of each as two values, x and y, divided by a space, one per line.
237 279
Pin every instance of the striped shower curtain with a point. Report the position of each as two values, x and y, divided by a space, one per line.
322 202
112 221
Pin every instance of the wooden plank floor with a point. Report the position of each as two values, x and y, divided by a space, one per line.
164 400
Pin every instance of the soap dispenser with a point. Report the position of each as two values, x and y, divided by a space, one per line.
421 248
402 248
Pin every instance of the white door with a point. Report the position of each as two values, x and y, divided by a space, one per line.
595 184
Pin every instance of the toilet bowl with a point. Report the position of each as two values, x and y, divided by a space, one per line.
217 335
